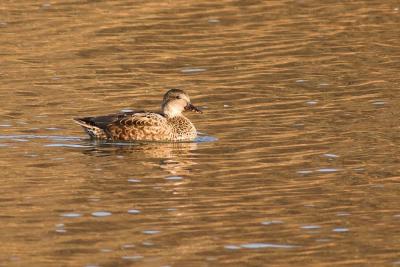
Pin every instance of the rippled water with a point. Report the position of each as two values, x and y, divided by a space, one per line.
298 159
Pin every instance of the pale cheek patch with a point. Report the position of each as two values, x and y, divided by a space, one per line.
174 111
174 108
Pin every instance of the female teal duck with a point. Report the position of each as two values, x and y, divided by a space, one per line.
169 125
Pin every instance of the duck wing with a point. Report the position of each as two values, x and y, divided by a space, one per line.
138 126
140 119
102 121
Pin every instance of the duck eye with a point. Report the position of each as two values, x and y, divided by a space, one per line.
178 97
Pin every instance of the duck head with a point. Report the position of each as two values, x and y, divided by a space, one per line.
175 102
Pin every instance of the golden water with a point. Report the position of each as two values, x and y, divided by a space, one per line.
298 163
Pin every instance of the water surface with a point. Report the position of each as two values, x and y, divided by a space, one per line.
298 164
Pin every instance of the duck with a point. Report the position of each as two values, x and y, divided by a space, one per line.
168 125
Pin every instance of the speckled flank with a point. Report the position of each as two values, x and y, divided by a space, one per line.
170 125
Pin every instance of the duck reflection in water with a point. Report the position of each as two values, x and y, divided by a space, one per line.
175 158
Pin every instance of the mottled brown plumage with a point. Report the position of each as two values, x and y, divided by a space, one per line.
169 125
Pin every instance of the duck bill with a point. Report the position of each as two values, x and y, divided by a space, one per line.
190 107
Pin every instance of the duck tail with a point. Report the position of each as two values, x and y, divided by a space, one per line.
84 122
90 128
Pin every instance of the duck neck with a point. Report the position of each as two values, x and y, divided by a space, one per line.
170 110
170 116
178 117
